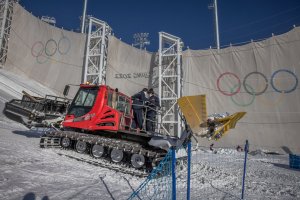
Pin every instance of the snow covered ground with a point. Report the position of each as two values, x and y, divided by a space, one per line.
25 169
219 176
29 172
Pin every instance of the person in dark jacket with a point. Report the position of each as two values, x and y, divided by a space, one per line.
138 104
211 127
153 105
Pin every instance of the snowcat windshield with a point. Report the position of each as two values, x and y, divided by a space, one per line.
83 101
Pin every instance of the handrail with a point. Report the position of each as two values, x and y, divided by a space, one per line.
146 107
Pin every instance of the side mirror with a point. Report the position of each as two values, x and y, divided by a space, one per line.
66 90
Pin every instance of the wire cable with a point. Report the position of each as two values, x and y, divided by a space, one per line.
260 20
242 50
267 27
263 123
216 90
50 58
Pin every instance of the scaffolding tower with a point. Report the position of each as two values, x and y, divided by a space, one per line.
170 82
96 51
6 13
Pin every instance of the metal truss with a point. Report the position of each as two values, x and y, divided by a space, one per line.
6 13
169 84
96 51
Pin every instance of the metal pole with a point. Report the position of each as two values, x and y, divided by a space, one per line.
188 195
159 79
217 24
173 173
83 16
245 165
3 24
178 84
160 68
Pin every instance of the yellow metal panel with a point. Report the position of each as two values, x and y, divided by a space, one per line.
194 110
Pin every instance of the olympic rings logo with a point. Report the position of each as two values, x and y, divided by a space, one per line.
250 90
42 51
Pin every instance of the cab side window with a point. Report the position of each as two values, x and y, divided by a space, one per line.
121 104
127 106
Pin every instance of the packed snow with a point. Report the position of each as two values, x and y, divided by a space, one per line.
29 172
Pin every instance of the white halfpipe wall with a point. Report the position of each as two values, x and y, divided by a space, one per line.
49 55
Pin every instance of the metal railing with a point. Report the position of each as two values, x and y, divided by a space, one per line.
146 107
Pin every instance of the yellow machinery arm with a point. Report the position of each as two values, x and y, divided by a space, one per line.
227 123
194 110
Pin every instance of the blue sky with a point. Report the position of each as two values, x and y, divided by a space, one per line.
239 20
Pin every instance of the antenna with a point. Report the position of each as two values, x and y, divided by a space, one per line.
141 40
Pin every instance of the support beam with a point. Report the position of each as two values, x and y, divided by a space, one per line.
170 82
6 12
96 51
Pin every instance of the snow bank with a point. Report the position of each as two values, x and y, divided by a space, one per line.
13 85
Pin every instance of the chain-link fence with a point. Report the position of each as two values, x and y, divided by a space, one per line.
209 173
